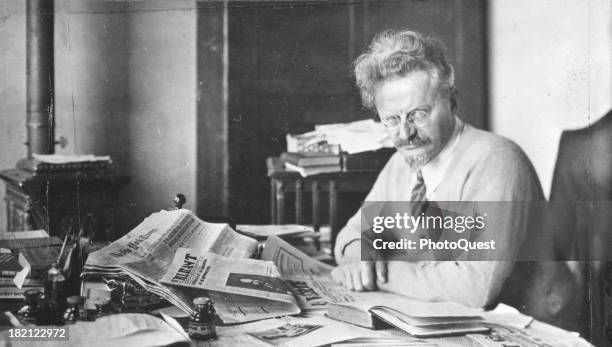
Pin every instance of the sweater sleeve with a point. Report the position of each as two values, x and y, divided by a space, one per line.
352 230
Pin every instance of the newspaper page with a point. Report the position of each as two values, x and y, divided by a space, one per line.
145 253
309 279
124 329
157 238
538 335
234 308
330 331
254 281
264 231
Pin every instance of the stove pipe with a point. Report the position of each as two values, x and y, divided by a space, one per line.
40 76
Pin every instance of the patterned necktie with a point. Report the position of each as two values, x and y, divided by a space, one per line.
419 191
419 201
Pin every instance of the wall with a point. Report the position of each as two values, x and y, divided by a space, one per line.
125 86
551 69
162 152
12 89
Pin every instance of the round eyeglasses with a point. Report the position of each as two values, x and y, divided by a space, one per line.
418 117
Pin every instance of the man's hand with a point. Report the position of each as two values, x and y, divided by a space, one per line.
360 276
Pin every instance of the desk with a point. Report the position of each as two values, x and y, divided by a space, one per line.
283 182
330 331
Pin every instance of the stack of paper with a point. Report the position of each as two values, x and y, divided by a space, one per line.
360 136
69 158
355 137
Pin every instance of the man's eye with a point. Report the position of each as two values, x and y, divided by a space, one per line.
419 114
393 120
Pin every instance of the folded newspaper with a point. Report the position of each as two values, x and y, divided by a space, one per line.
145 253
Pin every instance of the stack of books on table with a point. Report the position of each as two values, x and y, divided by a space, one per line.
9 268
27 254
311 163
357 146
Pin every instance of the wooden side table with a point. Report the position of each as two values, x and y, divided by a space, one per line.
283 182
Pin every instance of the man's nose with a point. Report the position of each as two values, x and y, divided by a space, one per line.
407 129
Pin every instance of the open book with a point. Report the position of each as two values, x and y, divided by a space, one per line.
417 318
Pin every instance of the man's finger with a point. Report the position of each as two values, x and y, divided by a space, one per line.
356 274
337 275
381 270
367 275
348 279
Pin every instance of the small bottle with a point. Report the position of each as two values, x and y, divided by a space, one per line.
28 314
102 307
55 293
202 322
73 312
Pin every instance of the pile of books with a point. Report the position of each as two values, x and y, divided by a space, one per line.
311 163
9 268
24 259
356 146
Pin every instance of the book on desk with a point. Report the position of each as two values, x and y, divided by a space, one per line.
375 310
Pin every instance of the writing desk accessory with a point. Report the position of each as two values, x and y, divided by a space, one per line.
179 201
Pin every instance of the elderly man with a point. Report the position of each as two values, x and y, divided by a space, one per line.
407 79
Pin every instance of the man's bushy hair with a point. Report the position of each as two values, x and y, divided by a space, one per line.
393 54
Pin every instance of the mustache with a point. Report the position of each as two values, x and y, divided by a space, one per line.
417 141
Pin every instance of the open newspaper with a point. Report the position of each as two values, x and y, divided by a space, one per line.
145 253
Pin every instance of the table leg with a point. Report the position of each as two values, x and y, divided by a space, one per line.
280 202
333 211
315 205
298 201
272 201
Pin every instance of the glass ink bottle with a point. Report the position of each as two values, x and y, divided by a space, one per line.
202 322
55 293
28 314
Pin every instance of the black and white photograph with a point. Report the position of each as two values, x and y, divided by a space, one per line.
391 172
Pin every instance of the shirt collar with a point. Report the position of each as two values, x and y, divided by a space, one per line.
434 170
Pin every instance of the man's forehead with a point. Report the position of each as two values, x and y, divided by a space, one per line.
417 86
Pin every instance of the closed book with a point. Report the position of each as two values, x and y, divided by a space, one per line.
417 318
16 293
40 258
366 161
9 266
7 281
16 244
312 170
304 160
38 166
